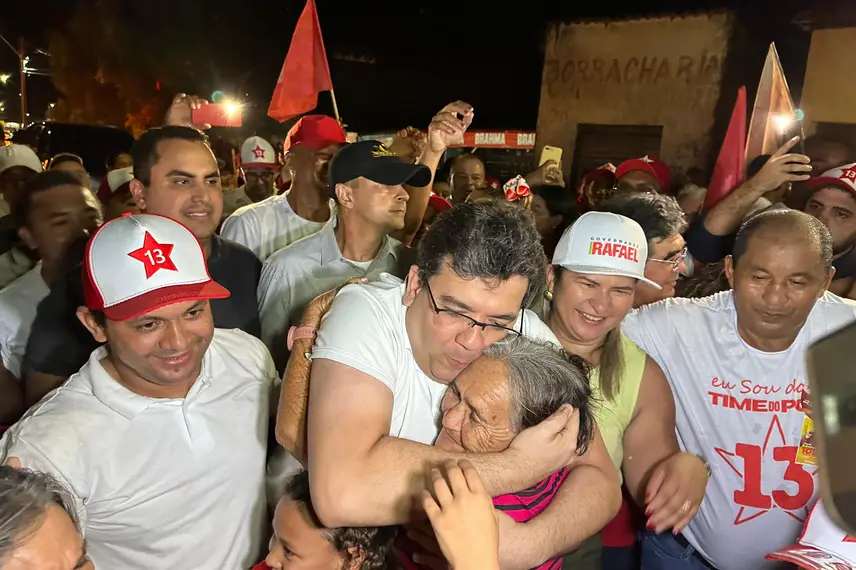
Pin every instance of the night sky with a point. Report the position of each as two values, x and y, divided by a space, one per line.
424 54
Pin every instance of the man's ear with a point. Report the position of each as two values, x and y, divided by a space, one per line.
137 191
412 287
344 196
27 236
829 277
729 270
87 319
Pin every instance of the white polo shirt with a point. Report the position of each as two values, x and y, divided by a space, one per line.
269 225
295 275
161 483
740 409
18 303
365 329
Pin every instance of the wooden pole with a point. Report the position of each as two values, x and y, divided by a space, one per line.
335 106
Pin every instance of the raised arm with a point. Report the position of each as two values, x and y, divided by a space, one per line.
361 476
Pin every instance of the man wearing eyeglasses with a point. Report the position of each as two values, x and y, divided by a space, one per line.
258 168
662 220
381 363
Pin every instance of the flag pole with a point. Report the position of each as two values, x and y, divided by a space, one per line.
335 106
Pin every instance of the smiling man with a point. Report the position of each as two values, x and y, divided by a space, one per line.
662 220
162 435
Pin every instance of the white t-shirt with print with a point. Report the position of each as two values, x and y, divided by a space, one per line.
365 329
739 408
268 226
18 303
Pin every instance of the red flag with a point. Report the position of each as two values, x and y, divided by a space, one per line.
305 72
773 113
731 163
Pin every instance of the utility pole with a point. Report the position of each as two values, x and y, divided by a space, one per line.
22 67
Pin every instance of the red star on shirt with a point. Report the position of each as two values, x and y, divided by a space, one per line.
848 174
154 256
750 458
258 152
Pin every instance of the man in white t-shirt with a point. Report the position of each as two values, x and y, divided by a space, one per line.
280 220
736 364
368 183
162 435
382 360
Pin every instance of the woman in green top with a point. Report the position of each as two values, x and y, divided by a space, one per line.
596 267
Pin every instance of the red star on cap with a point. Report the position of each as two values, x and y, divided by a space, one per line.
154 256
258 152
848 174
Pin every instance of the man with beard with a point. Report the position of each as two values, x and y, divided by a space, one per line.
281 220
176 176
161 436
662 220
833 202
259 169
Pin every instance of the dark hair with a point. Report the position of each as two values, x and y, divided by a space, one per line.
559 203
819 140
111 158
24 497
43 181
493 241
659 215
792 223
145 151
376 543
64 157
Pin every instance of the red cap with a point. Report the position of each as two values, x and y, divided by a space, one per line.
650 164
316 132
439 203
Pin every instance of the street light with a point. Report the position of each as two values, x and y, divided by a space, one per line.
4 78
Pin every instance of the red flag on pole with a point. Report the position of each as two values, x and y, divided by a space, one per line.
773 113
305 72
731 163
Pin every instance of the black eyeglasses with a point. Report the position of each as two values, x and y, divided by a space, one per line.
453 320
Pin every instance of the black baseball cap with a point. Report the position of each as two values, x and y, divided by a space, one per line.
372 160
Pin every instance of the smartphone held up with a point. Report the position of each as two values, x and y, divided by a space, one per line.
218 115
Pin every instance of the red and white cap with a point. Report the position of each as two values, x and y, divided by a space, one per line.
114 181
652 165
137 264
822 546
256 152
600 243
842 177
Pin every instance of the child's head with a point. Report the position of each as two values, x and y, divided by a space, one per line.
300 541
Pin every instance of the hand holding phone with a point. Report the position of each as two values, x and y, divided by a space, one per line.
549 153
218 115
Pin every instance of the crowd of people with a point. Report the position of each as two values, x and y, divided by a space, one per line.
335 367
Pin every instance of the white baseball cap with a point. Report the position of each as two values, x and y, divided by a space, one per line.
822 544
256 152
136 264
600 243
114 180
19 155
